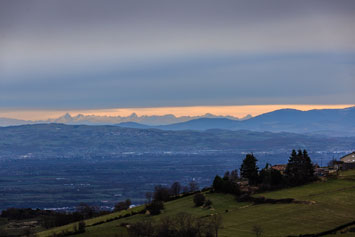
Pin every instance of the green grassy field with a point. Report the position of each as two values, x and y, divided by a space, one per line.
333 204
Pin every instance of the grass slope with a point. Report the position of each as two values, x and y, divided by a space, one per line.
333 205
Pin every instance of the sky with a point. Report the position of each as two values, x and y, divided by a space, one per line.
102 55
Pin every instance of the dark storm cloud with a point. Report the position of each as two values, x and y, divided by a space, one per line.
164 53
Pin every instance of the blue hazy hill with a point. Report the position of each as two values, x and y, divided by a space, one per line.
134 125
59 140
334 122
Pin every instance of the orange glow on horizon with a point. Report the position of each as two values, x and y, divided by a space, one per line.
234 110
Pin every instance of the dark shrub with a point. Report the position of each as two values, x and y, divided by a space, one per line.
161 193
199 199
123 205
218 184
155 207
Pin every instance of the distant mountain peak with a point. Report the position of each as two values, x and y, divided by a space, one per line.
133 115
248 116
67 116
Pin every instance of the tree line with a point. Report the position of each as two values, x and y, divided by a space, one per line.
299 170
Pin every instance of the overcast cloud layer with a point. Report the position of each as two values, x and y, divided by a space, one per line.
94 54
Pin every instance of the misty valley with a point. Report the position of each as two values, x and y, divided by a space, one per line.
62 184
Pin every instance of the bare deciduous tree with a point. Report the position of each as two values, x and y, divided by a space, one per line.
149 196
257 230
216 223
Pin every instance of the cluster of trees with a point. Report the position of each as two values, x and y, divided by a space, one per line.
182 224
155 201
267 177
227 184
165 193
299 170
270 178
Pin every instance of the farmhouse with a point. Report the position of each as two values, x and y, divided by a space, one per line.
280 168
349 161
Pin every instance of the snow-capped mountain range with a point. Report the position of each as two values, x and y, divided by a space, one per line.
110 120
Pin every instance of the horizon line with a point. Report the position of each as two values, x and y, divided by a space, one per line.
237 111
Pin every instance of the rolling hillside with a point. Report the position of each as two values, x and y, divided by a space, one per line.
328 205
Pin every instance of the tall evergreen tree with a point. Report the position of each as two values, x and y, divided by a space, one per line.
175 188
299 168
309 167
249 169
218 184
234 175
